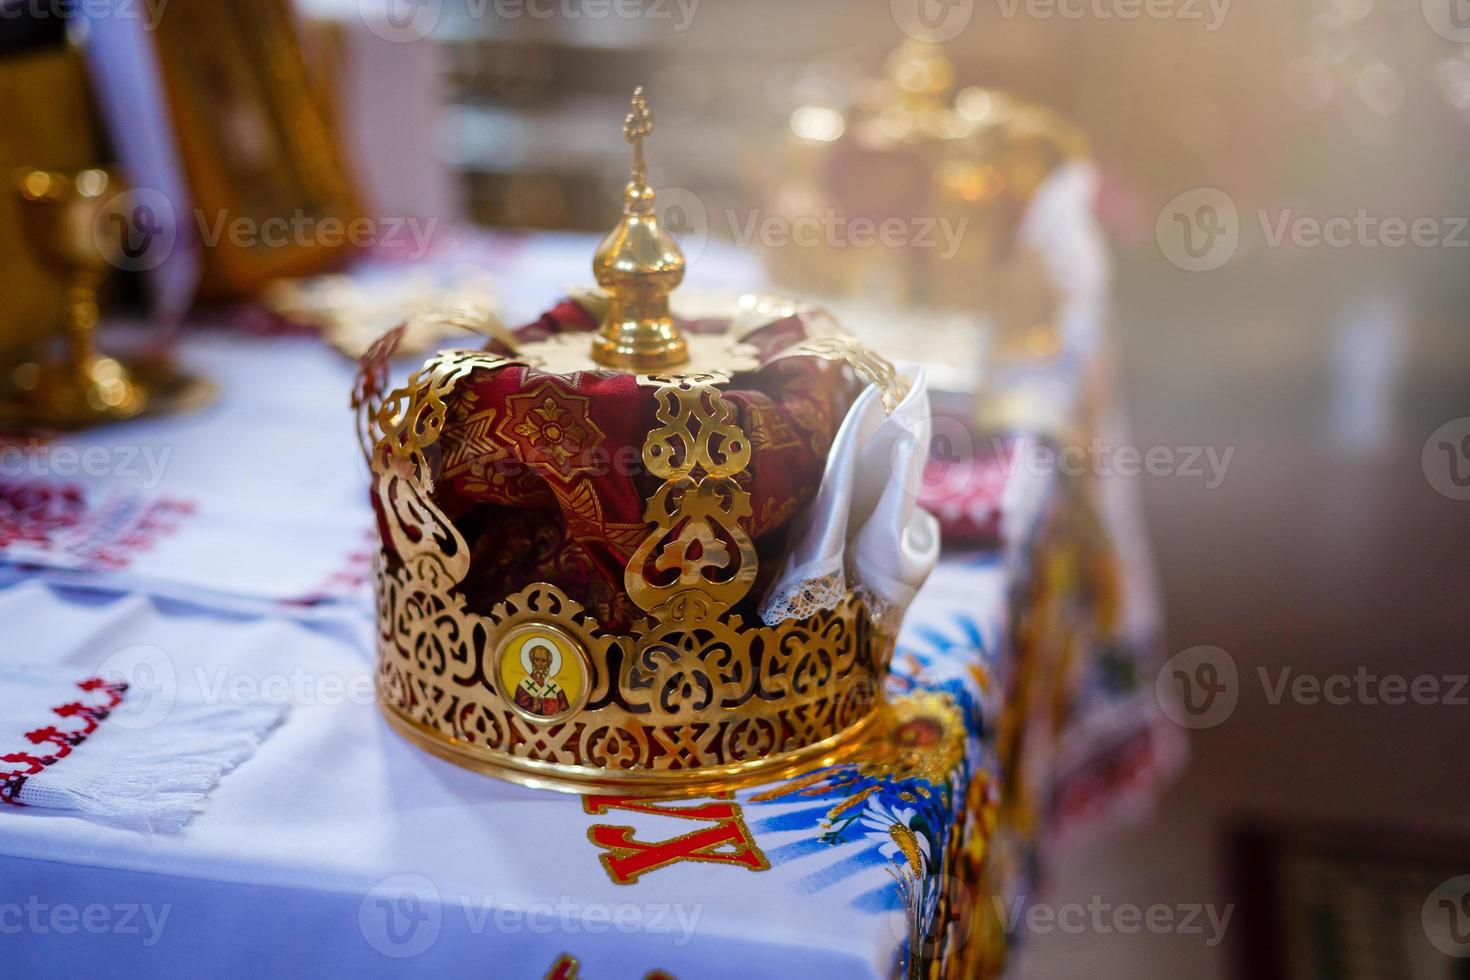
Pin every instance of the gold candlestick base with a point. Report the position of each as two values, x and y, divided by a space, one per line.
67 216
61 394
53 394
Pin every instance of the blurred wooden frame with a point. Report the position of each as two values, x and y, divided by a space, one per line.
258 141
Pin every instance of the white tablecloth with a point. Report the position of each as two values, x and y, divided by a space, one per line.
339 849
281 865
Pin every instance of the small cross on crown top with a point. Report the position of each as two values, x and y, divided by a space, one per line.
636 127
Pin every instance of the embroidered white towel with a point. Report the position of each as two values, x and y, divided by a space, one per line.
865 529
94 745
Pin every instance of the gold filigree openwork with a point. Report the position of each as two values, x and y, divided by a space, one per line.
697 561
412 418
709 703
691 700
868 365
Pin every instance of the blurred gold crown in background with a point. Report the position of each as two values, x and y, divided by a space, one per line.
904 147
530 686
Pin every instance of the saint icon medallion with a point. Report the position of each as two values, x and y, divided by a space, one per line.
543 673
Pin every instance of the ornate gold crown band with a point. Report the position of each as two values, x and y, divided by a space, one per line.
693 698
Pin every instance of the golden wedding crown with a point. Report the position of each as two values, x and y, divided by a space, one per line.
906 145
695 695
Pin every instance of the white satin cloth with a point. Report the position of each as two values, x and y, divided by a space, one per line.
865 530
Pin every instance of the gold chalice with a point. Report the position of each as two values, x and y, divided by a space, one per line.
77 386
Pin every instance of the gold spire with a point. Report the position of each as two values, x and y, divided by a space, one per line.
919 77
638 265
921 73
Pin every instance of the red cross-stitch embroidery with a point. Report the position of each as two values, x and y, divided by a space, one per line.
58 743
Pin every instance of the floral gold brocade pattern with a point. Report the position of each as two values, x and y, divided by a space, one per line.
554 426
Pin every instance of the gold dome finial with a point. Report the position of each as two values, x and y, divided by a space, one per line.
638 264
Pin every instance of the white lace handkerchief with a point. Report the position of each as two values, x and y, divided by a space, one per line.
865 530
95 746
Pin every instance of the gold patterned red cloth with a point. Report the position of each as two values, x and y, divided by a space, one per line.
543 473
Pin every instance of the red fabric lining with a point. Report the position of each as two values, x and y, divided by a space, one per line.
543 473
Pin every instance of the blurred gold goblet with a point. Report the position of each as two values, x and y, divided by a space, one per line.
63 213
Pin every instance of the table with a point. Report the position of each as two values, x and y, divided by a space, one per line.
339 849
